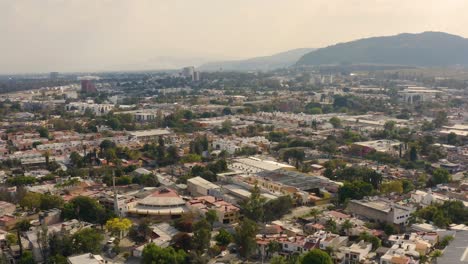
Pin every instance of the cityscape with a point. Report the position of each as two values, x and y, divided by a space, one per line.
354 151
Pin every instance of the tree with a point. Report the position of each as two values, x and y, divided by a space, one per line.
273 247
346 226
153 254
440 119
43 132
440 175
436 254
354 190
26 258
316 256
106 144
336 122
245 237
278 260
253 207
330 225
375 241
276 208
31 201
445 241
223 238
201 235
413 153
85 209
140 232
49 201
392 186
390 125
452 139
189 158
21 226
76 160
118 226
87 240
295 154
314 212
211 216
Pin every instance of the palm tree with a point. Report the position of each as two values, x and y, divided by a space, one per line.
21 226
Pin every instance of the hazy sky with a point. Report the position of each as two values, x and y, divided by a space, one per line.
75 35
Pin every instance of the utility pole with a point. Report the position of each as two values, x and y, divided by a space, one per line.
116 200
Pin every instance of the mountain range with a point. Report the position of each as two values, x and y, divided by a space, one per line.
276 61
427 49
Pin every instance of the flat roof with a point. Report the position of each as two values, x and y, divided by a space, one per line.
151 132
200 181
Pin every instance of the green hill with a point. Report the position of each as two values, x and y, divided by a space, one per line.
423 49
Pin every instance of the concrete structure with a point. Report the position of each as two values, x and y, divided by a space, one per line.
87 258
163 203
148 135
459 130
355 253
380 210
6 208
87 86
97 109
427 198
197 186
391 147
227 213
418 94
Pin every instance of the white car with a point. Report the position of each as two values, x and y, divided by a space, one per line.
111 240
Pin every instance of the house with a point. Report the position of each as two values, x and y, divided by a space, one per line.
391 147
355 253
227 213
6 208
87 258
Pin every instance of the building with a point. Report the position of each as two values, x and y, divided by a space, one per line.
391 147
87 86
189 72
6 208
162 203
197 186
87 258
227 213
458 129
407 248
415 94
53 75
148 135
427 198
356 253
196 76
97 109
380 210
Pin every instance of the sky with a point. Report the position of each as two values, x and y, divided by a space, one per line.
95 35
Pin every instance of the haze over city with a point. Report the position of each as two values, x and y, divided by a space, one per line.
89 35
